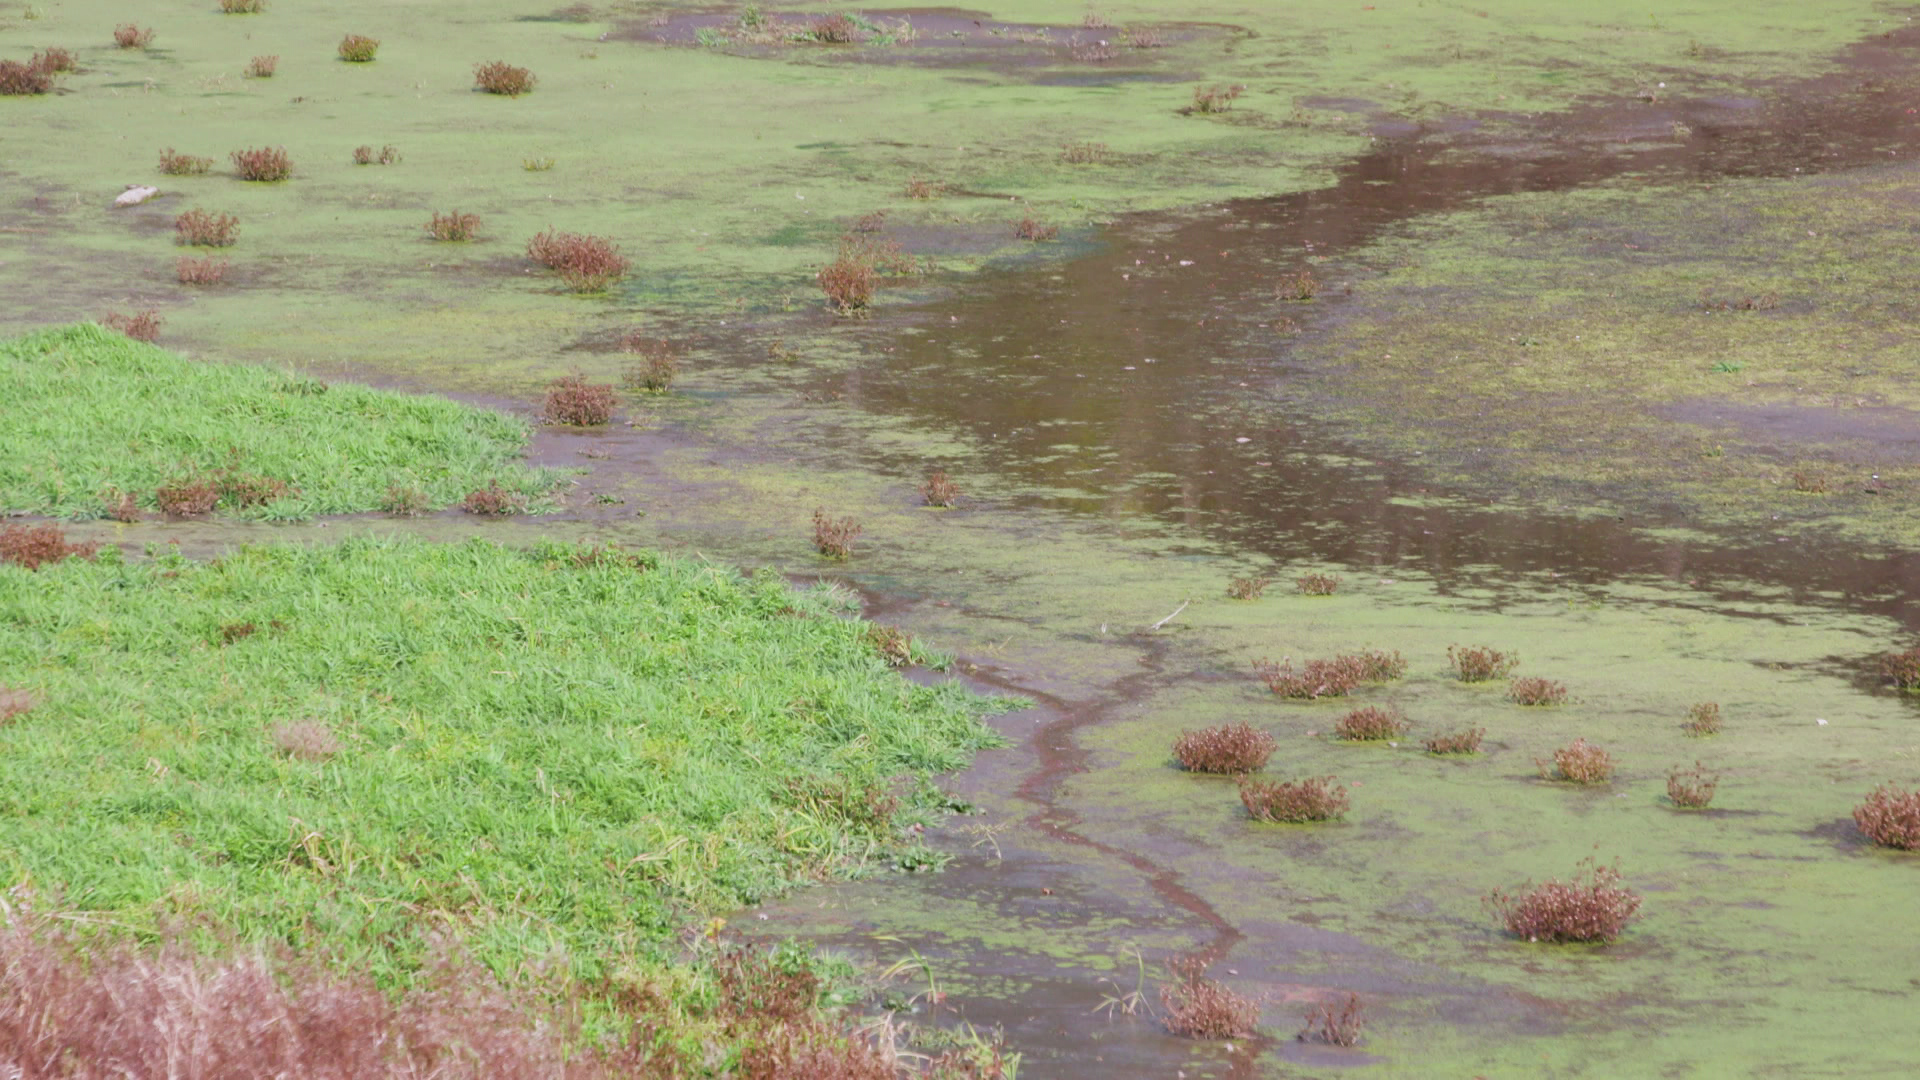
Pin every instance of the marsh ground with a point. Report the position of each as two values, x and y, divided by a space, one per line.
1528 425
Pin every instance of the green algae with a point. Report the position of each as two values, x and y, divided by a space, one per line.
1573 346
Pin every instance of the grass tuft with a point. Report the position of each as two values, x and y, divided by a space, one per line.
263 165
1336 1028
1691 788
833 537
500 77
1293 801
358 48
1592 907
1229 749
453 226
1579 762
202 228
1478 663
1533 691
1200 1008
1458 742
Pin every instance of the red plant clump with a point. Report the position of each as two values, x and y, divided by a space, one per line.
1459 742
1890 817
262 67
453 225
1477 663
173 163
848 283
940 490
1247 588
129 36
1703 719
20 80
201 228
494 501
1336 677
835 30
657 366
207 271
32 546
367 155
1229 749
16 702
1340 1028
1692 788
187 496
55 60
500 77
265 165
1200 1008
1317 584
1902 668
140 326
573 400
1030 228
1313 799
1591 907
358 48
1580 762
587 264
894 645
834 538
1370 723
1537 692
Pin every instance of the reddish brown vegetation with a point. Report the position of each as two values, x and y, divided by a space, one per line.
500 77
15 702
893 644
1088 153
1703 719
1200 1008
186 496
105 1013
1317 584
177 164
1902 668
1591 907
832 538
122 506
1580 762
1336 677
1297 286
494 501
32 546
405 500
1213 99
1370 723
1691 788
140 326
206 271
1340 1028
1247 588
1890 817
573 400
657 366
1477 663
835 30
367 155
20 80
453 225
262 67
200 228
243 7
1537 692
55 61
129 36
1459 742
587 264
848 282
940 490
266 164
1142 37
923 189
1029 228
1313 799
1227 749
358 48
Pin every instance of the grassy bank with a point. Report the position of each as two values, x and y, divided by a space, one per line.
562 753
93 417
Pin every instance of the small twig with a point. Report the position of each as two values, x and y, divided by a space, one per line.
1169 618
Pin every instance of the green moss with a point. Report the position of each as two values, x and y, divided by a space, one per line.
91 413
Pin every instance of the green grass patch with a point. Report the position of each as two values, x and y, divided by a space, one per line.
91 413
550 752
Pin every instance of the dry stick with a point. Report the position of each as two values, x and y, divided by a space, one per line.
1168 619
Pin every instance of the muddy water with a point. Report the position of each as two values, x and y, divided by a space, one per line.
1148 372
